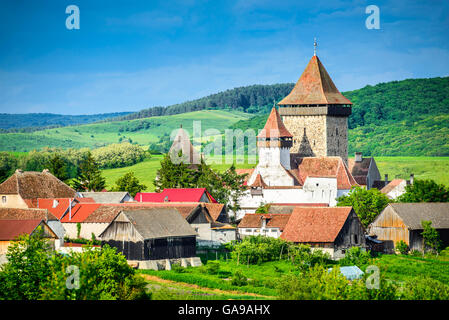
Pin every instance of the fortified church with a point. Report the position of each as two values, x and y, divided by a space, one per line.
303 148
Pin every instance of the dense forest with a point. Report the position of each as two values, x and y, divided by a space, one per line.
250 99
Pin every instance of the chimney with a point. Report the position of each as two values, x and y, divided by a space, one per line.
264 222
386 179
19 171
358 157
412 178
45 171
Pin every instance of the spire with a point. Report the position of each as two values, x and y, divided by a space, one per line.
274 127
315 44
314 87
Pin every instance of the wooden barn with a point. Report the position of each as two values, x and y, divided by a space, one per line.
330 229
150 234
402 221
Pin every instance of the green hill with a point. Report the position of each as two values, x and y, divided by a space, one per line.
141 131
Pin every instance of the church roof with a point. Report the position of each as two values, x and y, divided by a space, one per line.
335 167
315 86
274 127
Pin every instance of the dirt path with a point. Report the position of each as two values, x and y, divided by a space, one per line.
209 290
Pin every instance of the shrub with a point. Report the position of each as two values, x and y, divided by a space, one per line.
238 279
212 267
176 267
118 155
355 256
402 247
425 288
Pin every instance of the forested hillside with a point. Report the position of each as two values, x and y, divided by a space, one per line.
34 121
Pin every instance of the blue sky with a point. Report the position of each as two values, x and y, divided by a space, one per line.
130 55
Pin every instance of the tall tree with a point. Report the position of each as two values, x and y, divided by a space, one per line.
367 204
173 175
425 191
89 176
8 164
58 167
129 183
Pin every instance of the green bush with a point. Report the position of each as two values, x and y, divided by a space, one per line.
402 247
425 288
355 256
212 267
176 267
239 279
34 271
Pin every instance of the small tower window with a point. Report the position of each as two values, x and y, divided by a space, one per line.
336 131
3 199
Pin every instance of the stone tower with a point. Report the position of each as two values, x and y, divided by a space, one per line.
316 114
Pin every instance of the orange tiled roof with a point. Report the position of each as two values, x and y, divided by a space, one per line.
315 86
274 127
323 167
26 214
274 220
320 225
390 186
258 182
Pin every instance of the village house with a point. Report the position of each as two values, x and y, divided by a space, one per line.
364 170
330 229
266 224
11 229
23 188
18 221
152 237
394 188
107 197
22 214
402 221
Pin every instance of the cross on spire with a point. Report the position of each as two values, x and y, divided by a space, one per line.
315 44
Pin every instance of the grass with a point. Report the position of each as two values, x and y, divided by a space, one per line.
435 168
406 267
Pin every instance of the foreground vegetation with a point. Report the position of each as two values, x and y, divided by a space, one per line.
402 277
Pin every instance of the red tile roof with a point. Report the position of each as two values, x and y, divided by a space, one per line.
315 86
274 220
175 195
323 167
11 229
214 209
62 204
80 212
26 214
318 225
274 127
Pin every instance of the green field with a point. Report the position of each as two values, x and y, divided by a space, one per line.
435 168
141 131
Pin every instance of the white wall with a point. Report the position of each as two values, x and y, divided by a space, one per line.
86 229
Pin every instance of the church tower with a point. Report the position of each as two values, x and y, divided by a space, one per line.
273 143
316 114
